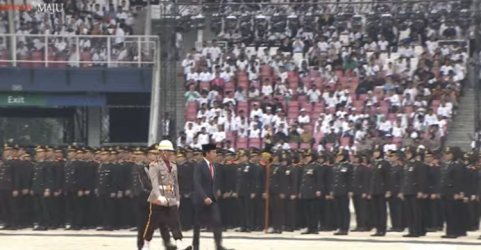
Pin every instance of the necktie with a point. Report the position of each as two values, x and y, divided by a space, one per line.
211 170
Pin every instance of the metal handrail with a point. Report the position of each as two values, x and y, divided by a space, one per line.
106 45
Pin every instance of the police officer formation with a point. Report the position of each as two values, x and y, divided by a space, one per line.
252 190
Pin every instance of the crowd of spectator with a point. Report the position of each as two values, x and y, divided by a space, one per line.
327 90
63 48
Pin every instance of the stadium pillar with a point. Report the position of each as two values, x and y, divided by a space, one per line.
94 126
477 72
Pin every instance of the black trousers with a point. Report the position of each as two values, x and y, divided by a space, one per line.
6 207
436 215
259 212
231 212
207 215
472 216
361 209
247 206
331 215
40 204
107 211
290 213
311 211
414 214
160 215
70 208
301 214
277 211
55 211
379 212
24 210
186 211
396 212
142 211
341 205
322 212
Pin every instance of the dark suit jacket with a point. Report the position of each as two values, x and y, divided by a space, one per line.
204 184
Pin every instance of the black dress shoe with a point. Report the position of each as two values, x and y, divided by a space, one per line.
356 230
341 232
223 248
410 236
306 232
378 234
188 248
170 246
449 237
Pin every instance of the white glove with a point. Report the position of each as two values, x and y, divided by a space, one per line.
161 200
178 204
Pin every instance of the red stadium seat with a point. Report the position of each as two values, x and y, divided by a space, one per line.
293 145
254 142
4 59
241 143
38 61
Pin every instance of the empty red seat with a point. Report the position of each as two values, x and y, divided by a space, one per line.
4 59
241 143
293 145
305 146
37 59
254 142
86 59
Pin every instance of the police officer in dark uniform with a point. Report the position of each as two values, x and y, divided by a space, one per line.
379 190
278 190
91 199
186 181
85 178
472 180
246 190
6 189
310 191
42 189
70 188
324 167
55 201
230 208
261 165
292 184
452 192
360 190
23 200
106 190
340 189
434 220
414 188
141 188
396 204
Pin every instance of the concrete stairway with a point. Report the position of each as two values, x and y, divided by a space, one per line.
463 122
179 98
140 22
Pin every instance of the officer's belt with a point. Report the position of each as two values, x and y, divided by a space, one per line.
167 188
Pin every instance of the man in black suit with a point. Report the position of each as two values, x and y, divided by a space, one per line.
205 201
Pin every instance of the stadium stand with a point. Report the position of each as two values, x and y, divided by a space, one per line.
94 33
306 80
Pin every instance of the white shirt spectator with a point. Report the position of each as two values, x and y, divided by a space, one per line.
266 90
242 65
385 126
406 52
254 133
313 95
193 76
219 136
203 138
304 119
398 131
